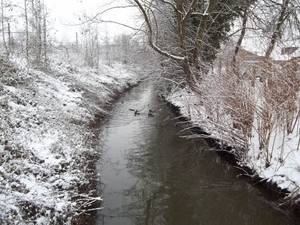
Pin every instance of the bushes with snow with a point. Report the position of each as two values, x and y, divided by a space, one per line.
256 112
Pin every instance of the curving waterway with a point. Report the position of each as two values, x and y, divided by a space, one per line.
150 175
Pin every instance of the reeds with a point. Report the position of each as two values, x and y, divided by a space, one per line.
257 106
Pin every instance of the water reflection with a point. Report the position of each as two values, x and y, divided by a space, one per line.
152 176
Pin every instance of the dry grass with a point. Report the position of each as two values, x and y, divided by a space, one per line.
263 100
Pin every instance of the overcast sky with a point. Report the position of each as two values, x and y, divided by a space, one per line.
65 14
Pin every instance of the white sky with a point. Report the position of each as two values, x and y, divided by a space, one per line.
66 13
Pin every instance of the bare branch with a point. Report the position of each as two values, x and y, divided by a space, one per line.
190 11
150 35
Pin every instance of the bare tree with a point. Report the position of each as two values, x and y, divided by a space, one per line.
37 30
91 44
26 31
244 16
3 19
198 27
44 34
285 10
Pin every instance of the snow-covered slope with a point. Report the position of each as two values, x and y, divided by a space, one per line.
45 141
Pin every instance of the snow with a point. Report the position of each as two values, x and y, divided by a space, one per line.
284 152
45 136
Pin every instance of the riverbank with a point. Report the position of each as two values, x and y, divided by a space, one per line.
280 180
150 174
47 138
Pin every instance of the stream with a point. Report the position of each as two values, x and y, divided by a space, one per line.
150 175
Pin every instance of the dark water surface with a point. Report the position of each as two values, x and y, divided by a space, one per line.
150 175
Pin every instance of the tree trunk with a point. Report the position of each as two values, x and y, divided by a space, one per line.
26 32
201 32
239 43
45 36
38 18
3 30
277 32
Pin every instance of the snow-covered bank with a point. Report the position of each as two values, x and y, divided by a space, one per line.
282 173
45 142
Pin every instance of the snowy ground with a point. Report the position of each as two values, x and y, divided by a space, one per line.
284 173
45 141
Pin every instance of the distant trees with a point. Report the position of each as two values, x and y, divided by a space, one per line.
25 30
36 29
90 44
94 47
6 37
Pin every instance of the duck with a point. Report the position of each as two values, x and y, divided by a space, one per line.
136 113
151 113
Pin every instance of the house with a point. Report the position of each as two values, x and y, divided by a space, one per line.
249 57
249 63
290 56
282 58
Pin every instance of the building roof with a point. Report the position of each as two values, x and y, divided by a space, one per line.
249 56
